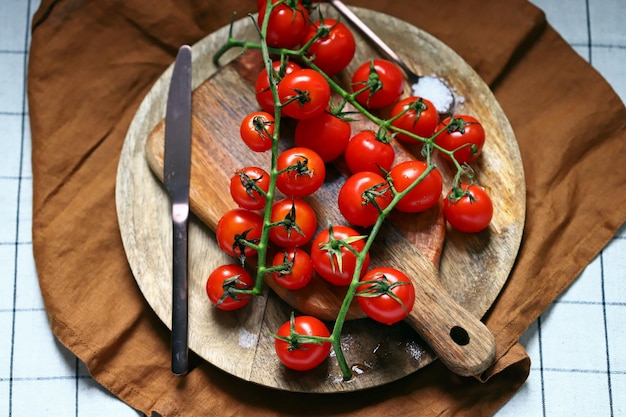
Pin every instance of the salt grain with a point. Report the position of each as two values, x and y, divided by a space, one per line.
247 339
436 91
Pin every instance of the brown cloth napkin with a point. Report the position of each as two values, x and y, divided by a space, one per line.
91 64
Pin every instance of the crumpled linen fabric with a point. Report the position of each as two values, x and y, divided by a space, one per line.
91 64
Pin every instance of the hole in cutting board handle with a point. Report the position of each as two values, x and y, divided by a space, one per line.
459 335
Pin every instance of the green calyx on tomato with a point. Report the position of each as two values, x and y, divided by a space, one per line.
330 45
415 115
260 126
371 195
300 167
292 268
301 172
462 137
289 222
233 289
229 287
468 208
386 295
249 186
333 248
241 243
363 197
238 231
297 340
302 343
287 24
381 286
380 83
373 84
293 222
303 94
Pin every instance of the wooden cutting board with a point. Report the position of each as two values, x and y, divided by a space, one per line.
219 105
473 268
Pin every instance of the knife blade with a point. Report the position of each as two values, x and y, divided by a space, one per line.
176 175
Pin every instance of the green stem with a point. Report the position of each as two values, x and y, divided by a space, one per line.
271 192
355 283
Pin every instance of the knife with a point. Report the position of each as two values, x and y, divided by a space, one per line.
176 174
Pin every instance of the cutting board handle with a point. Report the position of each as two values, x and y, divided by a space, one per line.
461 341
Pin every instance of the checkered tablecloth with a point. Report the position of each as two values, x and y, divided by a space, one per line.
577 347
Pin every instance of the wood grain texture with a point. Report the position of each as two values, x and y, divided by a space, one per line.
472 268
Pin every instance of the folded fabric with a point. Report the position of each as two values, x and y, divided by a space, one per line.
91 64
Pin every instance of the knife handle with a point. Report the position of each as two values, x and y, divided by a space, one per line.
180 317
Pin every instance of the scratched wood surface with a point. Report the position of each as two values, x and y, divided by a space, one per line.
472 269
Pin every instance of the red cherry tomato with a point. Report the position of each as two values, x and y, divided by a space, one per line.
388 89
262 85
356 196
425 194
365 152
256 131
389 297
300 269
304 94
305 172
468 208
420 118
221 284
243 187
333 52
327 135
299 353
332 261
287 24
234 227
464 133
300 222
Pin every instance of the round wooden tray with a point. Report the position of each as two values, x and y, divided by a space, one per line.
473 267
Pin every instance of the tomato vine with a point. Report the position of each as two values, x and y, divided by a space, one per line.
304 93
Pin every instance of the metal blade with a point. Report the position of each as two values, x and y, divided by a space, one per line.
176 174
177 158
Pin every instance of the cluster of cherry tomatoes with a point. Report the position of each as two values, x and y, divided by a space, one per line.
322 134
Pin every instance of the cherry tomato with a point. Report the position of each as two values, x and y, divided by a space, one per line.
304 94
464 133
425 194
468 208
359 196
287 24
365 152
256 131
305 172
421 118
222 282
333 52
389 298
243 187
326 134
300 353
300 269
262 85
388 87
334 262
299 220
234 227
